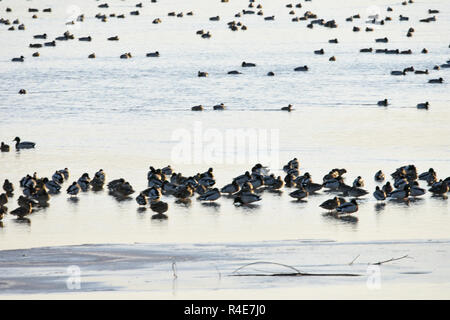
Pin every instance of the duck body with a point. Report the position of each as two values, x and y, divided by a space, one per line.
23 144
210 195
347 207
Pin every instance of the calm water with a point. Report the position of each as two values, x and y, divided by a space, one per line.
121 115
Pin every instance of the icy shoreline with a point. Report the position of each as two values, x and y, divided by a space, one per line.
207 271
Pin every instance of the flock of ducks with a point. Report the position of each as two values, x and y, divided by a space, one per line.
308 16
244 190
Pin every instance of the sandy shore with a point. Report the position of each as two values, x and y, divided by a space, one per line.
206 271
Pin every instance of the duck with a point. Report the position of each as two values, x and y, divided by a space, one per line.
4 147
88 38
246 198
439 188
141 199
73 189
197 108
299 194
234 72
288 108
231 188
416 191
202 74
58 177
398 73
366 50
84 182
348 207
387 188
426 175
8 187
332 204
383 103
304 68
358 182
356 192
384 40
20 59
248 64
312 187
23 144
333 40
219 107
115 38
159 207
22 211
421 71
126 56
321 51
333 58
206 35
3 199
216 18
91 56
153 54
210 195
440 80
52 187
270 74
400 193
423 105
379 176
22 91
379 194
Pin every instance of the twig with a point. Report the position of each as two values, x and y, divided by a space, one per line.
390 260
291 274
354 260
264 262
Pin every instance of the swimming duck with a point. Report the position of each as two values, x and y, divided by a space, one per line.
304 68
73 189
88 38
288 108
216 18
384 40
299 194
333 58
247 64
333 41
91 56
197 108
379 194
421 71
234 72
332 204
321 51
366 50
206 35
23 144
4 147
153 54
115 38
126 56
20 59
348 207
379 176
270 74
219 107
202 74
398 73
383 103
423 105
210 195
440 80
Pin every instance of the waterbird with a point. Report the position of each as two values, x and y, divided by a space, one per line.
423 105
348 207
379 176
210 195
383 103
4 147
379 194
440 80
288 108
73 189
23 144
